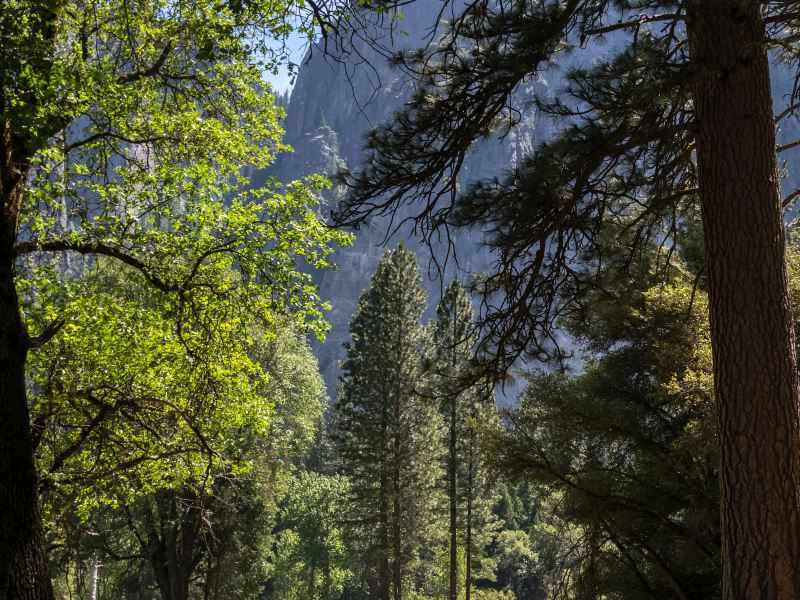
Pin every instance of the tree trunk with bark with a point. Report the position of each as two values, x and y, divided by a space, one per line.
23 561
752 328
174 544
94 575
23 566
397 540
397 554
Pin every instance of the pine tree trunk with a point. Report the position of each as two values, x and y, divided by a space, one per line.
453 501
397 565
312 581
755 366
23 566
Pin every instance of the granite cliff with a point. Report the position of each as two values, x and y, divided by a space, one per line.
335 103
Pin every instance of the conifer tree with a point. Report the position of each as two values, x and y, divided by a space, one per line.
462 405
387 429
453 345
681 115
477 494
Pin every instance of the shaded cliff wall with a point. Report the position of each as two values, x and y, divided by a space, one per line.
334 104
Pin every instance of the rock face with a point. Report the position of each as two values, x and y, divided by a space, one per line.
334 104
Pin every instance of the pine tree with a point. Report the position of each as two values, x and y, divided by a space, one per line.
453 346
462 404
477 498
386 428
682 115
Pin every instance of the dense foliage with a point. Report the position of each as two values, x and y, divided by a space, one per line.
126 131
608 477
627 452
162 418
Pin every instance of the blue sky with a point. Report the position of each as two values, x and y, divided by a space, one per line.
296 44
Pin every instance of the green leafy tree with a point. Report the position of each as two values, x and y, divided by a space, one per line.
516 563
111 426
187 459
680 115
311 557
122 126
387 428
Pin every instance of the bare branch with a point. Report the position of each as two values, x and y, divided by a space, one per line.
97 248
47 334
635 23
785 113
789 146
790 198
150 71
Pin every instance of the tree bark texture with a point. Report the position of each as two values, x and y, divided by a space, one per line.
752 328
23 566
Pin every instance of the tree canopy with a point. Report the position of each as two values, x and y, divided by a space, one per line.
126 132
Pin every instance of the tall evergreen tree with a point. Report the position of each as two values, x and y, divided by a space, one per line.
682 115
478 495
462 404
453 346
387 428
